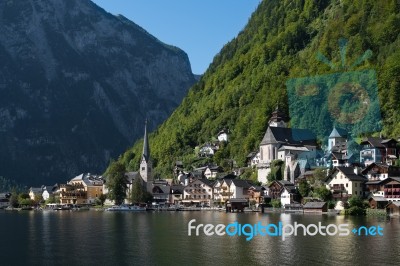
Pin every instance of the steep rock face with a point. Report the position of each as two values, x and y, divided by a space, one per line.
76 84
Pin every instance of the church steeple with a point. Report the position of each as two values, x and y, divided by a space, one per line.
278 118
145 163
146 149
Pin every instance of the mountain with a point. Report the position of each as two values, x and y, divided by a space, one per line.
249 76
76 85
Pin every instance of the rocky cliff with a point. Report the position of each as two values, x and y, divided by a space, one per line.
76 84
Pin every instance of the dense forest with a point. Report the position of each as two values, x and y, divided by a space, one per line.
251 74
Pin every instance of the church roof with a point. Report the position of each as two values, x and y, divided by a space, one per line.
338 133
292 136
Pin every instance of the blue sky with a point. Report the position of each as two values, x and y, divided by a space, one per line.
199 27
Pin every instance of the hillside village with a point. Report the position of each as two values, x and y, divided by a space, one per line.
292 173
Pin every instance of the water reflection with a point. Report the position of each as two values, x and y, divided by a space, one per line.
88 238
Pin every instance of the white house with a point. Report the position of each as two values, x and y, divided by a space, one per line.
199 191
239 189
212 171
35 191
345 182
47 191
223 136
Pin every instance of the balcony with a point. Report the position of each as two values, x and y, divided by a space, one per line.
338 188
340 196
366 153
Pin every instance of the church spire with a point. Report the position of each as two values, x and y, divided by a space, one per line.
146 149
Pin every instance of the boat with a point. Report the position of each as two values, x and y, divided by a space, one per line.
126 208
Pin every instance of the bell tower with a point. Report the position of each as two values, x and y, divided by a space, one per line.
145 163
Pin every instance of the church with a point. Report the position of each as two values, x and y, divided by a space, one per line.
297 148
158 188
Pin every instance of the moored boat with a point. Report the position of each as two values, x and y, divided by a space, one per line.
128 208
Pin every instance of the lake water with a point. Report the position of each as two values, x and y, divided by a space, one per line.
161 238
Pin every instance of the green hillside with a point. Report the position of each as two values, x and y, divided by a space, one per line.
248 77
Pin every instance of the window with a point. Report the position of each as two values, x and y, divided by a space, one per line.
355 192
143 168
347 185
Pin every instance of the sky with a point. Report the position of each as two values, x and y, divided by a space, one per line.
199 27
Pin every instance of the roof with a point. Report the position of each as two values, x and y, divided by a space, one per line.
293 148
177 189
131 176
388 140
251 154
288 136
48 188
395 178
237 200
375 142
338 133
381 199
36 189
314 205
242 183
396 203
349 173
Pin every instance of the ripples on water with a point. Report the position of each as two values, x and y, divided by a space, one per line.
161 238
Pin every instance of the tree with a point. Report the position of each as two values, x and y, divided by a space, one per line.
319 176
356 206
323 193
116 182
304 188
276 203
102 199
14 200
138 193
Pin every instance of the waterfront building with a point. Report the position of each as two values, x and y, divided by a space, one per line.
378 150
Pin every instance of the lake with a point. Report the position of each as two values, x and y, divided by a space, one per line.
161 238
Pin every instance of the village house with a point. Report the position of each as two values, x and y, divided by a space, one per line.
176 194
253 159
384 190
256 194
223 135
379 171
199 191
72 194
208 150
161 191
212 171
283 190
221 190
4 200
393 208
48 191
345 182
35 193
289 194
378 150
82 189
239 188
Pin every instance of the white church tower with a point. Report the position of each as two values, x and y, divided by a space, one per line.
145 163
